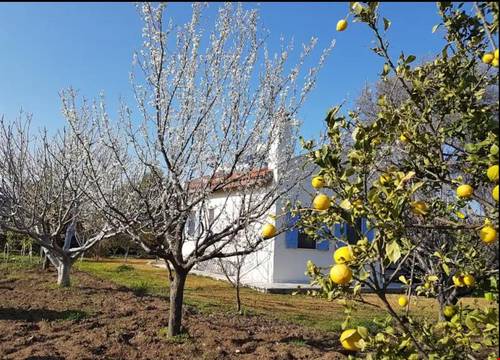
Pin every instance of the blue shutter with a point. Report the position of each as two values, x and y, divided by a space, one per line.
292 234
322 243
337 230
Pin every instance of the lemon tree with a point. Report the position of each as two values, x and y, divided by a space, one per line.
421 174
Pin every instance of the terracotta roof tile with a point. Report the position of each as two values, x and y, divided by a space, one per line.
226 182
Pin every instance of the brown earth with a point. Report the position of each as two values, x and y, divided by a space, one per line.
96 319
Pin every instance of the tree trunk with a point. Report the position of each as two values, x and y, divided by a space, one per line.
441 302
45 260
238 283
238 298
63 270
176 300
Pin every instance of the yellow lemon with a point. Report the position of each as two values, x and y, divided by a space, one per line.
488 234
343 255
449 311
465 191
268 231
494 193
494 62
340 274
317 182
403 301
488 58
496 54
342 25
492 173
469 280
349 338
419 208
458 280
321 202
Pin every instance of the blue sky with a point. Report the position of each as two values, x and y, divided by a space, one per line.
47 47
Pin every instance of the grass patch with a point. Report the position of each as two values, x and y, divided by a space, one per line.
17 262
210 296
142 288
298 342
74 315
178 339
124 268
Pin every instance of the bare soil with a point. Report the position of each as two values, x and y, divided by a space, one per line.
96 319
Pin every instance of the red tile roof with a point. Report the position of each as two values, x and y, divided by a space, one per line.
226 182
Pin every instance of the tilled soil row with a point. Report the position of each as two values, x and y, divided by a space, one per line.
96 319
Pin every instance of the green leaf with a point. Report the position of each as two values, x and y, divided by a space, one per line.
432 278
363 332
475 346
387 24
470 323
446 268
393 251
410 59
357 8
435 27
494 149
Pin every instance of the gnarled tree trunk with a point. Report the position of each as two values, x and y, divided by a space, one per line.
176 299
63 271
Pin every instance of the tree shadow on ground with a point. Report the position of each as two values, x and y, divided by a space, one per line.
324 344
136 291
35 315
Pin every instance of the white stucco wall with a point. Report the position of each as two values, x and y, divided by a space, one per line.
290 263
257 267
274 263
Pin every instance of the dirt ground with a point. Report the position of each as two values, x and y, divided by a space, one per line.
96 319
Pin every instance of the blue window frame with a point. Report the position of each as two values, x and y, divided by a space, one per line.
295 239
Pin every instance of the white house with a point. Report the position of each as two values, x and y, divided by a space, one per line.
281 262
283 258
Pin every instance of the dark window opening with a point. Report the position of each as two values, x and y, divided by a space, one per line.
352 234
191 224
305 242
211 216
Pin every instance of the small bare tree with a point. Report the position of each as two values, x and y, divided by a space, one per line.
236 267
216 114
42 192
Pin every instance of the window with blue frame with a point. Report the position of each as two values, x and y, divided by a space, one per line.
351 235
296 239
305 242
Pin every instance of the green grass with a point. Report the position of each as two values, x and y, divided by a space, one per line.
74 315
298 342
209 295
124 268
178 339
17 262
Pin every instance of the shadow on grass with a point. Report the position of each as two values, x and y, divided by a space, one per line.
324 344
35 315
